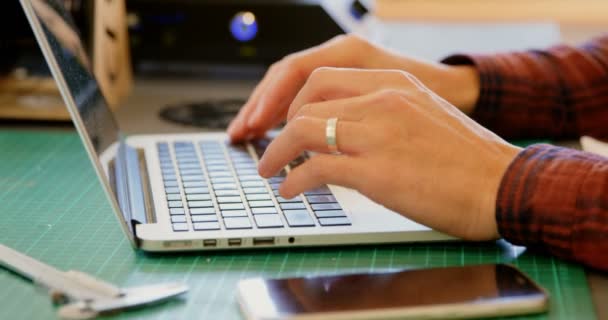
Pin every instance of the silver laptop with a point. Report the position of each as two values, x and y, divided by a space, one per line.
197 191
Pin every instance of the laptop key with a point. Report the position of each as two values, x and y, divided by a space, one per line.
217 162
337 221
180 218
220 193
175 204
194 184
298 218
294 199
200 204
222 180
202 211
238 160
189 166
325 206
261 203
245 166
250 177
168 171
169 177
217 174
183 160
196 190
174 196
330 213
246 172
229 200
234 213
258 196
264 210
237 223
224 186
170 190
232 206
204 218
193 178
202 226
292 205
275 186
254 190
180 226
249 184
318 191
268 221
171 183
321 199
177 211
213 156
194 197
216 168
187 172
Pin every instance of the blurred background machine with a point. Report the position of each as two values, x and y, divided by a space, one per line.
231 41
196 61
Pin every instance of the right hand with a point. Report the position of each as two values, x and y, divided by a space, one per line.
268 104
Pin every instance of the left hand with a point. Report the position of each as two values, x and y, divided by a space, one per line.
401 145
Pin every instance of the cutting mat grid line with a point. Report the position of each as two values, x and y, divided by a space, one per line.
54 209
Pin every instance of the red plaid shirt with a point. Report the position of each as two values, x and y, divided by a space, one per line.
551 198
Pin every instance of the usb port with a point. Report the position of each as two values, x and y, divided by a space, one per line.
209 243
264 241
234 242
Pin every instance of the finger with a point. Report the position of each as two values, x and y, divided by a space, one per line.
308 134
296 68
238 129
278 94
321 169
336 83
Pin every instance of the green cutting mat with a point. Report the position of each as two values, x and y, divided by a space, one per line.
53 209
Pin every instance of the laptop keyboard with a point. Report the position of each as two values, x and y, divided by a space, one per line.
213 186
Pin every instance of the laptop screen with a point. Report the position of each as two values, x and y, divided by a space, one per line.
68 49
64 51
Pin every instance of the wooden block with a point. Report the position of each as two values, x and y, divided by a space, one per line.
39 98
111 56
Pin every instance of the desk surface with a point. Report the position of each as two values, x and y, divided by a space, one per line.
54 209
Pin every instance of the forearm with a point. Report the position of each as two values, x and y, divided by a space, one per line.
556 200
559 93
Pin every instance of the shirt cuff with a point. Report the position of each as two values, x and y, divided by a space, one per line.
553 199
486 110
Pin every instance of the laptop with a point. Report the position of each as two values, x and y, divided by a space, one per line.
177 192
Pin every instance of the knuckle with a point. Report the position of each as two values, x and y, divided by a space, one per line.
320 72
303 110
317 78
299 128
360 43
404 78
391 100
389 96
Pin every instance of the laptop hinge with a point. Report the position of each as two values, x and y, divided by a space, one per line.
132 187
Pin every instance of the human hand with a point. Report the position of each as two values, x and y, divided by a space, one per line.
401 145
269 102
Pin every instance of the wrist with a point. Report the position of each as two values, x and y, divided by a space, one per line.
505 155
461 87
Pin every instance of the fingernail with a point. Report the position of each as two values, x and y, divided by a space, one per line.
261 170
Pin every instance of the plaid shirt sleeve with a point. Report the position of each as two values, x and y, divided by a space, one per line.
551 198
